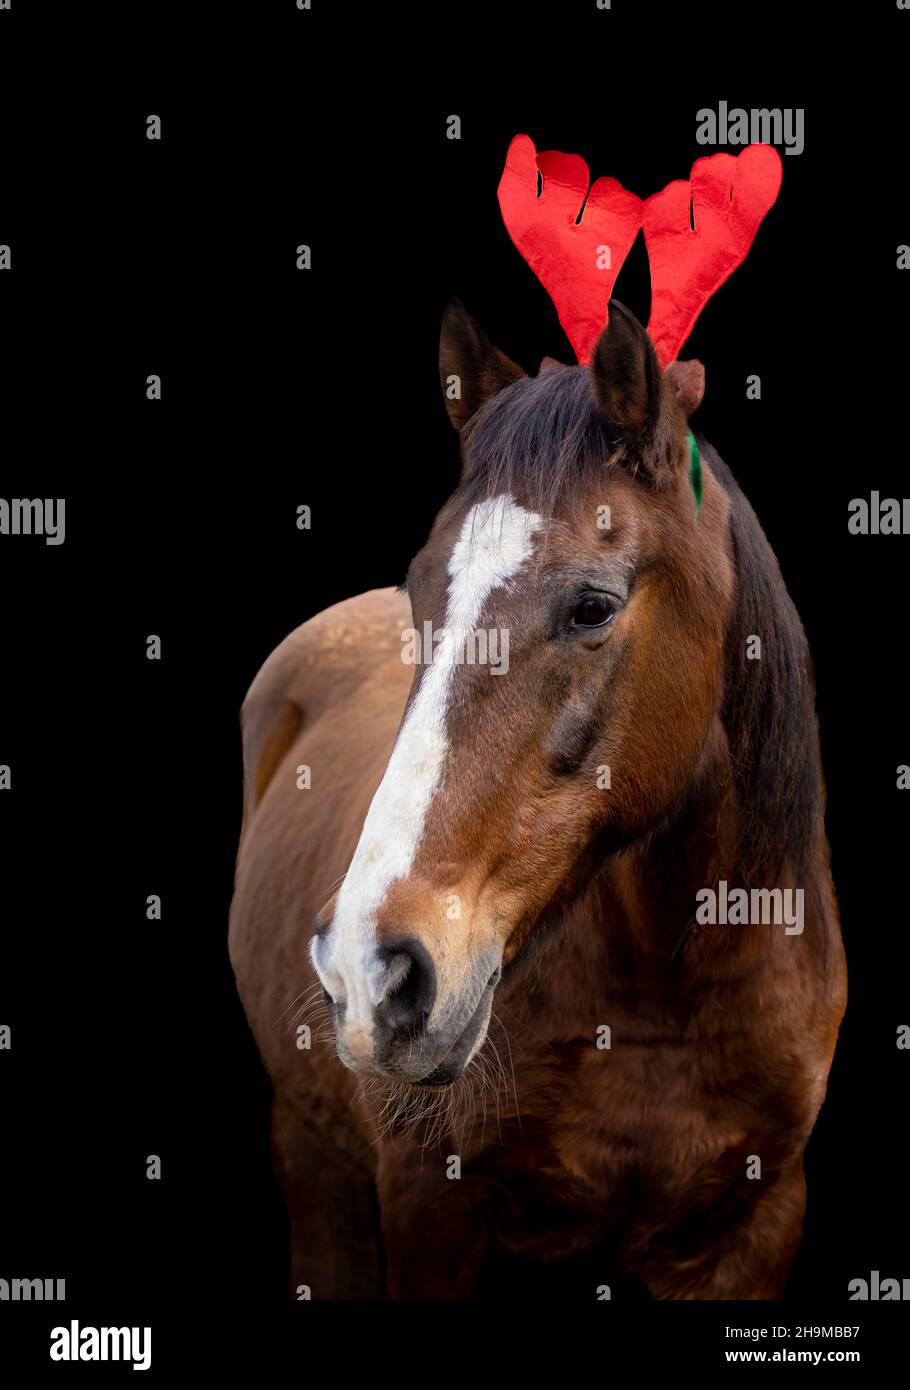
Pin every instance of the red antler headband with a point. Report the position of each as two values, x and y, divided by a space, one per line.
697 231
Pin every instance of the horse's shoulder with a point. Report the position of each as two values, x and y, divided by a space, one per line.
319 665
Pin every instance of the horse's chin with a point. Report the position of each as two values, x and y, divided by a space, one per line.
461 1055
442 1077
450 1069
453 1066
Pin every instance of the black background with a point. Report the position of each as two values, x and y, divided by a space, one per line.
283 387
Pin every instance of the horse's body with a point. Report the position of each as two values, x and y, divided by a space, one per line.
633 1160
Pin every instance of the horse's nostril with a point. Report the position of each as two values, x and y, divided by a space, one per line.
495 977
410 989
327 997
321 922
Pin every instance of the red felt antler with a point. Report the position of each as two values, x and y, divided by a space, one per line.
726 199
566 252
697 231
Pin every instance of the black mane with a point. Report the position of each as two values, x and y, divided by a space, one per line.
769 704
541 437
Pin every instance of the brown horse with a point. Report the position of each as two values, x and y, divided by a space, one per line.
554 1069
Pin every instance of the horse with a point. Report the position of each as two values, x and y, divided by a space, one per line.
526 1060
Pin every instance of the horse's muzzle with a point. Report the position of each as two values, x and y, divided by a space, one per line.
410 1035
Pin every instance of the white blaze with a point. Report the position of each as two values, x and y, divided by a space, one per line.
495 541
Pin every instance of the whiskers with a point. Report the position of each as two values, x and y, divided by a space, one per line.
454 1114
309 1009
474 1106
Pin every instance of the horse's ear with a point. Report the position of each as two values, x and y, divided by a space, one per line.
471 369
636 398
625 372
632 395
687 382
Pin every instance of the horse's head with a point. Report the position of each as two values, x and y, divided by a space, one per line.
577 599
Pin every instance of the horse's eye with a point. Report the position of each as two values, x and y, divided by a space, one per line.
594 610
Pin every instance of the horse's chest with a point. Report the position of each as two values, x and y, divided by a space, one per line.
629 1137
640 1112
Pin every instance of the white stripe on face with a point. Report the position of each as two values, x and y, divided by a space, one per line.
495 541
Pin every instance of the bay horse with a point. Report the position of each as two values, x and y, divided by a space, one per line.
536 1067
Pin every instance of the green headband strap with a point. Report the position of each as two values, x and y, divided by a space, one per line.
695 472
